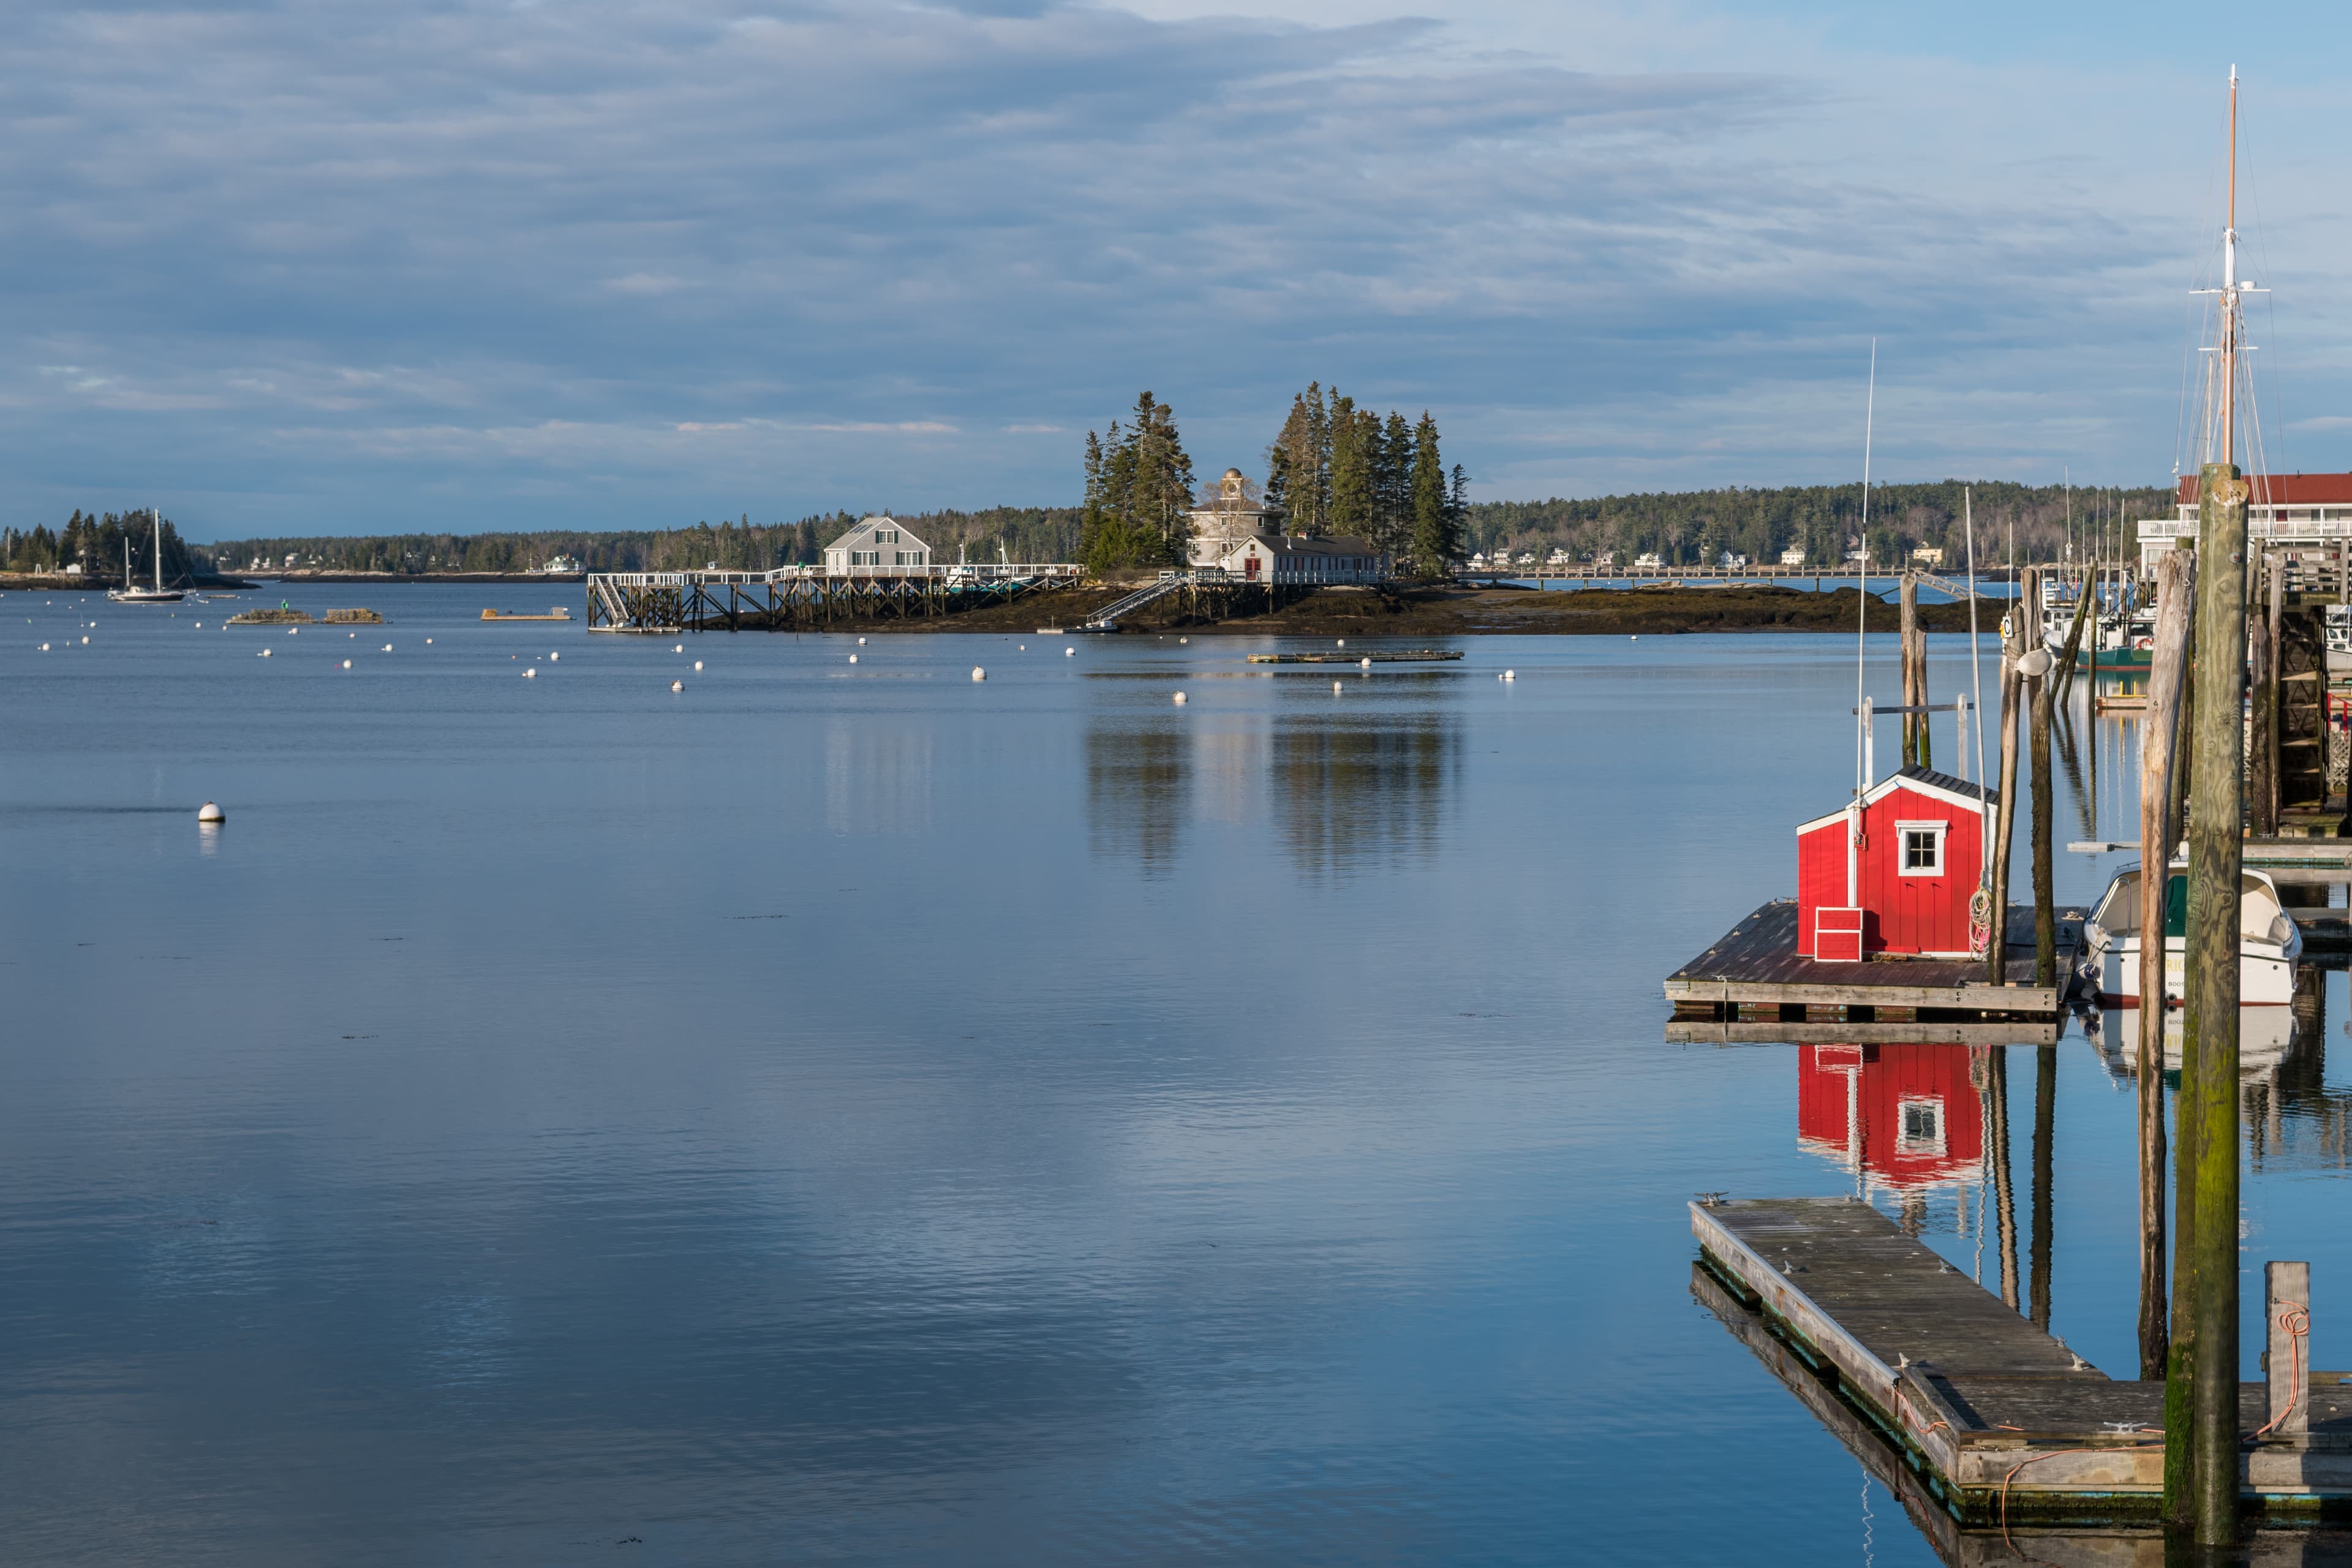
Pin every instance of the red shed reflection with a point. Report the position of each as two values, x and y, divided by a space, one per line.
1900 1118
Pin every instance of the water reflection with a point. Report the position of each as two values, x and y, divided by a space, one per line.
877 776
1139 789
1349 788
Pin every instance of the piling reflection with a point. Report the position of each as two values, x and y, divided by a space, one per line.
877 779
1352 787
1139 789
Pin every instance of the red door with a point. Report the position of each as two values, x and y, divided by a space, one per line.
1249 566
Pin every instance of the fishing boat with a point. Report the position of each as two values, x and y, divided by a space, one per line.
558 614
2269 942
158 595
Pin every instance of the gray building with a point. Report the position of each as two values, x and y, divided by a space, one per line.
878 546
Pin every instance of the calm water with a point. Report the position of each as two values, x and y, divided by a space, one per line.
854 1114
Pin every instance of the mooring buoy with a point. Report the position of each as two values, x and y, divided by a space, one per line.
1179 697
678 685
978 673
698 667
210 812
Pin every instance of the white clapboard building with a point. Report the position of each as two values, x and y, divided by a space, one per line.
877 546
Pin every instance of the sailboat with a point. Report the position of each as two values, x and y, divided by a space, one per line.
158 595
2269 942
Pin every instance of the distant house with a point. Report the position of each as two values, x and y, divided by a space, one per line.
1728 559
1647 562
73 569
1927 556
1793 556
878 545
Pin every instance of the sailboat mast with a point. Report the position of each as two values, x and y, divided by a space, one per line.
2229 289
155 521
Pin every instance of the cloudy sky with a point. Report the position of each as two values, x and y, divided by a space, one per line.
345 267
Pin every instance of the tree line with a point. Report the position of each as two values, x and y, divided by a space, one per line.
96 544
2036 522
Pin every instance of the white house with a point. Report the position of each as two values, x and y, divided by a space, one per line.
1245 540
1793 556
1927 556
1647 562
1728 559
878 546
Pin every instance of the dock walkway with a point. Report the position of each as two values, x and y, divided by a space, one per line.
1755 971
1998 1420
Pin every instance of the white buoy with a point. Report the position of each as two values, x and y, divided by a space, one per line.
678 648
698 667
1179 697
355 637
209 812
200 626
387 647
45 648
1510 675
1183 639
1637 637
1025 647
978 673
678 685
1338 685
1343 642
531 674
347 664
1066 653
267 652
1366 663
429 642
861 642
853 659
293 631
85 642
553 656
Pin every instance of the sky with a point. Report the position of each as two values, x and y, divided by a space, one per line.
454 266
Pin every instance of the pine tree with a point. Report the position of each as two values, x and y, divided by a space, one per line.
1354 454
1393 531
1298 464
1437 534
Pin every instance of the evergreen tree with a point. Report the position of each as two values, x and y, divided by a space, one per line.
1391 532
1298 464
1436 527
1139 504
1355 439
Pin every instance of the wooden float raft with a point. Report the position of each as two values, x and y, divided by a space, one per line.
1998 1421
1754 973
1410 656
511 615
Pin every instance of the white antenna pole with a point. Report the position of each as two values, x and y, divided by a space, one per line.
1862 760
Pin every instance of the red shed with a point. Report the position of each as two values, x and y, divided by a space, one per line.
1902 1117
1902 882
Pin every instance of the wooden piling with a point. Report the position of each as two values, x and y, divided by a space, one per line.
2286 1319
1918 745
2064 681
2013 646
2206 1105
2168 665
2040 693
2261 749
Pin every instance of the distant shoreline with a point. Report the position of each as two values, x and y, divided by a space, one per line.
401 577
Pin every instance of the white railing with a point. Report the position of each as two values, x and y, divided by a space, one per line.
976 572
2256 528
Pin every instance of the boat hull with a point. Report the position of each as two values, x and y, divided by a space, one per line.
2265 972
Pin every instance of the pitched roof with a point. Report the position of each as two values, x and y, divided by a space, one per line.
1949 785
868 524
2285 490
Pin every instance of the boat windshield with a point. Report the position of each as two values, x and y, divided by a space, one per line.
2258 906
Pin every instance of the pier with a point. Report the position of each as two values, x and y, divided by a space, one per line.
1988 1421
802 598
1754 973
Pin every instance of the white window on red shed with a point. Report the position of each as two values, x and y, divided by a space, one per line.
1921 846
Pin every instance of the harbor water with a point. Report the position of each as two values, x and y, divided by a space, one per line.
855 1113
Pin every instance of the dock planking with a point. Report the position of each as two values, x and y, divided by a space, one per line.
1998 1421
1755 966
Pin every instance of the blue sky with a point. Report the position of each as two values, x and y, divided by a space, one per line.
346 266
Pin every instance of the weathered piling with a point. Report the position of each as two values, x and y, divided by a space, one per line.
2167 663
2207 1131
2065 682
2005 832
1919 749
2261 750
2041 689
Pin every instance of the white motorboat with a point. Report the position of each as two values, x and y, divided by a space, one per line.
2269 942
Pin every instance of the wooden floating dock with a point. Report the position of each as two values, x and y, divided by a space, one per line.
515 616
1755 973
1995 1422
1412 655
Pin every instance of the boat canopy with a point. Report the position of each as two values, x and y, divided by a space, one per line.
2260 915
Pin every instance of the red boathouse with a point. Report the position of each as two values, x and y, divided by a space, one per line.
1899 1117
1894 872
